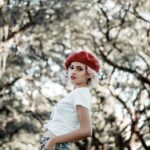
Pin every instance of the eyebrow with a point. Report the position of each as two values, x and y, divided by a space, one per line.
77 66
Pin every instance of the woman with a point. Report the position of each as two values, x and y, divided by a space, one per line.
71 117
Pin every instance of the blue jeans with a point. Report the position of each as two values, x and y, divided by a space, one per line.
61 146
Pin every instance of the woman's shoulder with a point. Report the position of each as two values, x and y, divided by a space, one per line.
83 91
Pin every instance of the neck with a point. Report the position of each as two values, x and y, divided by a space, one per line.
78 86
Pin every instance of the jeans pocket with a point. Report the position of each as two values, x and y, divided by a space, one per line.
62 146
44 143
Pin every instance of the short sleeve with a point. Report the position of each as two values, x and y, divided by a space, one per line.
82 97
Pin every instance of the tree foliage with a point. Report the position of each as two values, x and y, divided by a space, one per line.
38 35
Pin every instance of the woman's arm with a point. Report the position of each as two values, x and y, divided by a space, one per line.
84 131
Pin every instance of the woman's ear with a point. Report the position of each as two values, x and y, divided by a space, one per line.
89 75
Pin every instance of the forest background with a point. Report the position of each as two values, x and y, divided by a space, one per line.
35 38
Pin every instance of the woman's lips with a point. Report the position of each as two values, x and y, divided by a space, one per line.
73 77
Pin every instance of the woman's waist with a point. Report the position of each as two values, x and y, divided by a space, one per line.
62 123
48 133
61 127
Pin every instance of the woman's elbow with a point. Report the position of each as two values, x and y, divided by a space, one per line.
88 133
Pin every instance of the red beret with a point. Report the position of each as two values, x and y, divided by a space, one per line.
83 57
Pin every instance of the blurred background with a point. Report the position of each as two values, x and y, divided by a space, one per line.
35 38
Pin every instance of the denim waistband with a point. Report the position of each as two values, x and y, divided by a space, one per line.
60 146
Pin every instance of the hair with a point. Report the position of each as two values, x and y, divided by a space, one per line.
94 76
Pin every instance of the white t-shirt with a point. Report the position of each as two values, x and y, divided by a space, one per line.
64 117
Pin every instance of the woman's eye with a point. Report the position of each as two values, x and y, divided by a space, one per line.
80 69
71 67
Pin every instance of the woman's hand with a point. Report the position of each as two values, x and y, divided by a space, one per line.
51 144
39 148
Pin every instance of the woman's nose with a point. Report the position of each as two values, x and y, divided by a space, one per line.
73 71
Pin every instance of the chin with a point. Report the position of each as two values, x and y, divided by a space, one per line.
74 83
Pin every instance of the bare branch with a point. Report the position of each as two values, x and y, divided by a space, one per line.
129 70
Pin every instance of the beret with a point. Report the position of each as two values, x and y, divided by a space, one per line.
83 57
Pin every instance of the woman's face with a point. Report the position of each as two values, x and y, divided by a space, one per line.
78 74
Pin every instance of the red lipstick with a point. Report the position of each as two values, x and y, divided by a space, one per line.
73 77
